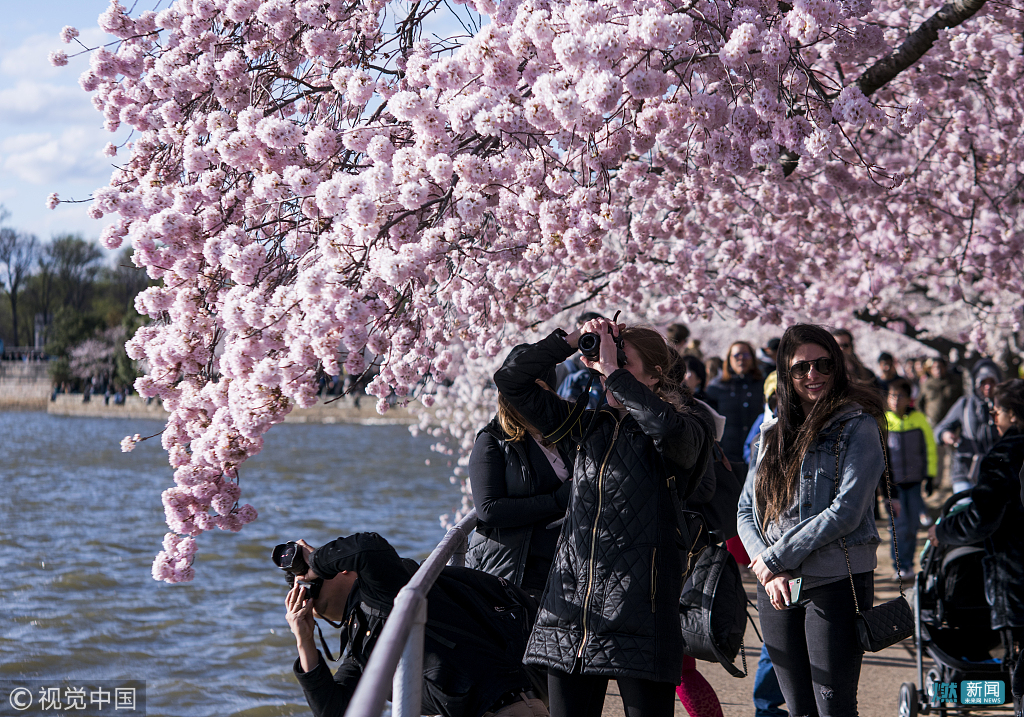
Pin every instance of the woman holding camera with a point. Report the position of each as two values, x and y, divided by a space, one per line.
806 513
610 608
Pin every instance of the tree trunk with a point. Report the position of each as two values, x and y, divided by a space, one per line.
13 296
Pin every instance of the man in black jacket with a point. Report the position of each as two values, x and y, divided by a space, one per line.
476 632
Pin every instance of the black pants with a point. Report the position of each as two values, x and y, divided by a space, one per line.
814 647
583 695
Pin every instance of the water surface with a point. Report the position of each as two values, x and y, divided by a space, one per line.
80 522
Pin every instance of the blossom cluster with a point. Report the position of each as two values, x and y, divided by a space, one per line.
318 188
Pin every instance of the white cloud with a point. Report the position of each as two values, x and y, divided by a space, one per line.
37 103
31 59
43 158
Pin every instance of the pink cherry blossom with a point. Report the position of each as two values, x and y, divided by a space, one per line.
314 193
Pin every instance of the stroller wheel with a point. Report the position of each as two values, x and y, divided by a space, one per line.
908 700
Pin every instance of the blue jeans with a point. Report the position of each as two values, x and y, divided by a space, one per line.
767 693
911 506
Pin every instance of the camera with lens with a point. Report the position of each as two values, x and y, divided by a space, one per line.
289 557
590 346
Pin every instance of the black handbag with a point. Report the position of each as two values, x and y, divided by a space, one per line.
883 625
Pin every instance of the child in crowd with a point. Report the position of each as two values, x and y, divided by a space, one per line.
912 461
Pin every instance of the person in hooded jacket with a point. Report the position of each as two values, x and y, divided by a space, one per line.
520 487
968 426
993 518
611 605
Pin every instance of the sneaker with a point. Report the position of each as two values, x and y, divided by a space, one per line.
905 574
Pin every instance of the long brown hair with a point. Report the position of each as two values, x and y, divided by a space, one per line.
755 370
658 360
511 421
786 443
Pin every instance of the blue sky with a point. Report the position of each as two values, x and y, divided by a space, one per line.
51 137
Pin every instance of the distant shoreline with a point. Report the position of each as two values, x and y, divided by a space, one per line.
342 410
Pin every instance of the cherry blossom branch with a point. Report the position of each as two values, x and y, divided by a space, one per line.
919 42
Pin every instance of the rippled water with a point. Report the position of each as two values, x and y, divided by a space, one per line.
80 523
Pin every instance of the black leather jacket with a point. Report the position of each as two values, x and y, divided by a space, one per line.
476 631
994 518
515 506
611 605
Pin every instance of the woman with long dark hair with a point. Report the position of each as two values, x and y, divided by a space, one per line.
806 512
611 605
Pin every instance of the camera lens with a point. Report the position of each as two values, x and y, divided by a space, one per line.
284 555
590 345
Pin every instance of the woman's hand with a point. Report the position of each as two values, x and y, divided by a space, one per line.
778 591
933 535
761 571
608 357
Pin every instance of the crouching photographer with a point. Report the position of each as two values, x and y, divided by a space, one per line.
476 632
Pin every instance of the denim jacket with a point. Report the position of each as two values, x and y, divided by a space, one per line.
825 515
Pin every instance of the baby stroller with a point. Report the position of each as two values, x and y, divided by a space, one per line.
954 631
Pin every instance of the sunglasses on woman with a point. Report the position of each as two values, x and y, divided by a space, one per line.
801 369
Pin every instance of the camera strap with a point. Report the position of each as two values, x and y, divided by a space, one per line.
574 417
323 642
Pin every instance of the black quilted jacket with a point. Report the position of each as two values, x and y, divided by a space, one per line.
611 605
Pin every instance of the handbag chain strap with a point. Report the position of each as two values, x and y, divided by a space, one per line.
892 522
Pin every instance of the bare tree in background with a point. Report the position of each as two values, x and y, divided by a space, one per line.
17 252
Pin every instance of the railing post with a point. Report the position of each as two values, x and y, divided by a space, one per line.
407 685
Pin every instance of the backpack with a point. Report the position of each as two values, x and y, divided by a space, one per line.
713 610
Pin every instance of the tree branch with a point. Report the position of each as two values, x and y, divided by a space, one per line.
916 45
940 343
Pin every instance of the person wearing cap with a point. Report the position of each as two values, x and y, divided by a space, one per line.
475 636
968 426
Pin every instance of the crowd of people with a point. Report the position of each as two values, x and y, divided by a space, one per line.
605 438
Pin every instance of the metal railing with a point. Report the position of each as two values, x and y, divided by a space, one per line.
398 655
